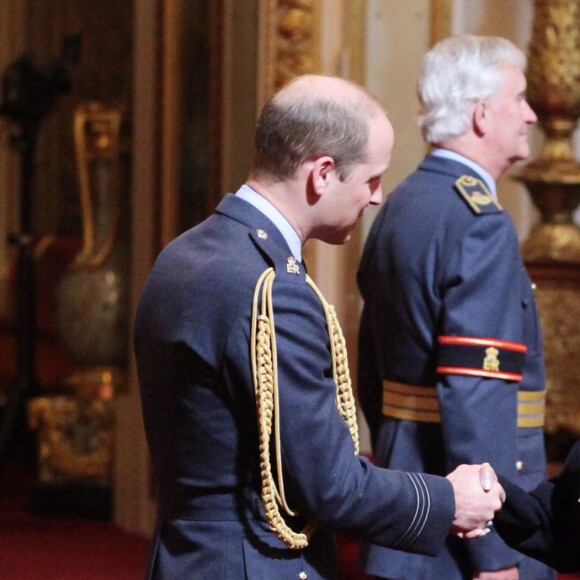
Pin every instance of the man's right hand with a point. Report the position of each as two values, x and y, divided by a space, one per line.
474 506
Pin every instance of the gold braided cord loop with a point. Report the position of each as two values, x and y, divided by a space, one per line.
265 374
344 395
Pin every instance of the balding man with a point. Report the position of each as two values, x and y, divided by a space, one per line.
246 395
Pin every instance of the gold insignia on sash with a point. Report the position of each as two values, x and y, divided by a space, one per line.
475 193
490 361
292 266
262 234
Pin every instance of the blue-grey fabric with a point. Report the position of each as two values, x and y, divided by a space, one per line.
545 523
432 266
192 344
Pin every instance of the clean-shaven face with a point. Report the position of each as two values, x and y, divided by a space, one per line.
363 186
510 116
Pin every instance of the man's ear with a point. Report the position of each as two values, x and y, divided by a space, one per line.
323 169
480 117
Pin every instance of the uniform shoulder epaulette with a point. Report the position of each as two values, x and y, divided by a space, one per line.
477 195
280 258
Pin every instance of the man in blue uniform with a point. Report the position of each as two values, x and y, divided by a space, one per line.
545 522
450 352
246 395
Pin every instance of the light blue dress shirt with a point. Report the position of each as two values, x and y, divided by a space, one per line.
448 154
263 205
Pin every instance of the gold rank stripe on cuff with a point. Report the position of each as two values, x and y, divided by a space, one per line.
421 404
531 408
411 402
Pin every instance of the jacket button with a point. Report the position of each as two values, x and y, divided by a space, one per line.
303 576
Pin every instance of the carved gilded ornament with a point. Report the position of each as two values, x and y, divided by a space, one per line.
554 93
557 242
552 251
559 304
554 88
289 42
554 68
97 145
75 437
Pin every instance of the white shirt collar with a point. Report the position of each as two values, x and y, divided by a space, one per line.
448 154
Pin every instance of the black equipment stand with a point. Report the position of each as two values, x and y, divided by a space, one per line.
29 94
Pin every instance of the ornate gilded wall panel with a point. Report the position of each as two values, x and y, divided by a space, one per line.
75 439
289 43
552 251
559 305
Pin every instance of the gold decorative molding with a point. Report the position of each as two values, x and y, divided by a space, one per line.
553 179
441 24
552 251
559 303
553 88
288 44
97 147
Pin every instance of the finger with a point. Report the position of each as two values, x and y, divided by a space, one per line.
486 476
502 495
477 533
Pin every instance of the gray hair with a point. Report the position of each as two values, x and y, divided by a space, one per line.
457 72
298 125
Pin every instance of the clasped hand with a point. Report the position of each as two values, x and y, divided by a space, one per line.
478 495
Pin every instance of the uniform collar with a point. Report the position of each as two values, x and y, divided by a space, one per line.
238 209
263 205
454 156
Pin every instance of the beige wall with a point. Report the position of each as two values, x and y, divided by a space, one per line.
397 39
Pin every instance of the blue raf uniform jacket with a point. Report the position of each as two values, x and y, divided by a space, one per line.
192 344
443 282
545 523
